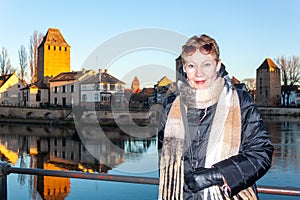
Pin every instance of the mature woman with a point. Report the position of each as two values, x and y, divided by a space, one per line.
214 144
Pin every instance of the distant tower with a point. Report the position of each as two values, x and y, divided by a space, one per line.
178 66
53 55
268 87
135 85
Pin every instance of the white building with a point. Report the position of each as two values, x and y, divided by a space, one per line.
102 90
64 88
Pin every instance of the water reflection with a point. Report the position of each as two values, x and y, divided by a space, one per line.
61 148
57 148
285 135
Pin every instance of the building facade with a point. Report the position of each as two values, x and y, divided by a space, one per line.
64 88
102 90
35 95
268 87
10 93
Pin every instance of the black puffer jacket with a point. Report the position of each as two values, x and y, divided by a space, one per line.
240 171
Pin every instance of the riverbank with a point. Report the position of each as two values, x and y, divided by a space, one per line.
66 117
279 111
69 117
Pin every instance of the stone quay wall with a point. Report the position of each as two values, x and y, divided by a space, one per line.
67 116
278 111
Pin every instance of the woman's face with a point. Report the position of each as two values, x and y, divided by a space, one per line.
201 70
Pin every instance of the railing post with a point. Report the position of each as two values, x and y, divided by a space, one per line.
3 180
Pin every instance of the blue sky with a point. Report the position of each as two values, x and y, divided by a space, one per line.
246 31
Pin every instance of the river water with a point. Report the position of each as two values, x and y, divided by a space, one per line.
112 150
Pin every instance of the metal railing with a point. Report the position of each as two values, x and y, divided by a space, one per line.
6 169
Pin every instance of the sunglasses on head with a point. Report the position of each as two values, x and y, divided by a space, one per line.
204 49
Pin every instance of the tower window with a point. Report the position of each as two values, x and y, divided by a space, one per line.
54 47
65 48
48 47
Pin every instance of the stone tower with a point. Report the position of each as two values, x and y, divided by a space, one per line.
135 85
268 87
53 55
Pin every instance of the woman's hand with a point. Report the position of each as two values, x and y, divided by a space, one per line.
203 178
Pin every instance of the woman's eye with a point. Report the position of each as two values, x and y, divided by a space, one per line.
207 65
190 66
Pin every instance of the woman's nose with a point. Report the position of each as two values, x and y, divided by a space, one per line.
198 71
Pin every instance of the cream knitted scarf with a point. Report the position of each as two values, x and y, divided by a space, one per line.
224 138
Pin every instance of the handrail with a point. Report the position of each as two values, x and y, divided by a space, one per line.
6 169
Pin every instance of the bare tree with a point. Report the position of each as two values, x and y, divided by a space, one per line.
294 70
35 41
23 62
290 68
5 65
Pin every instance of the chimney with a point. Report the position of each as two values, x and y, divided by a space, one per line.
105 71
100 71
83 70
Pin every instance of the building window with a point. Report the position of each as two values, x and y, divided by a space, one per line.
55 101
63 89
83 98
105 87
63 142
119 88
60 48
83 87
98 87
54 47
48 47
260 89
72 88
38 96
112 87
55 89
65 48
96 97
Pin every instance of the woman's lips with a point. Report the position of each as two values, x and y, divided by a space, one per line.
200 82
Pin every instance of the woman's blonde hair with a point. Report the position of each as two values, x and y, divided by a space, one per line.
200 41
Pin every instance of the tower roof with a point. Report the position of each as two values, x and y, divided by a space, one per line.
136 80
55 38
164 81
268 64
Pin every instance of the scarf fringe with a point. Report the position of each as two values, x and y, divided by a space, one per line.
171 170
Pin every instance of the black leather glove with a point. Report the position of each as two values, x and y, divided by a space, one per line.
203 178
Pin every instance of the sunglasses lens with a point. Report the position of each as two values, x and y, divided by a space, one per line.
189 49
206 49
